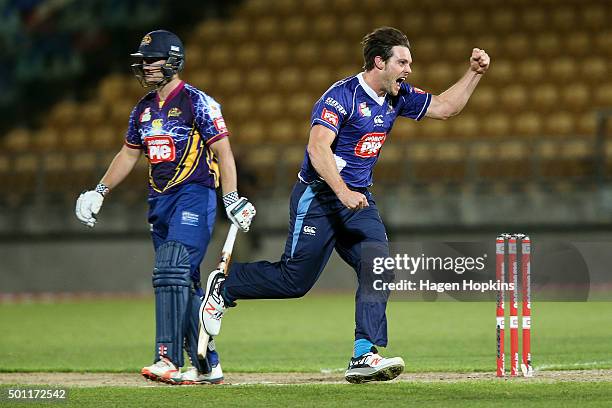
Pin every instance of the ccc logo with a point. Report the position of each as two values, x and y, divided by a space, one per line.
309 230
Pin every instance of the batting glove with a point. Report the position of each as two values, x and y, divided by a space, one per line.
239 210
89 203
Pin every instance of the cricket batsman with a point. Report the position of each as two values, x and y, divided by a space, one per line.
331 206
182 134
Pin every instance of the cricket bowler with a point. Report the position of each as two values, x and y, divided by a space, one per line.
331 206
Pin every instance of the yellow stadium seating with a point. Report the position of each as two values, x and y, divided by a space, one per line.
560 123
269 62
496 125
46 139
528 124
514 98
603 95
17 140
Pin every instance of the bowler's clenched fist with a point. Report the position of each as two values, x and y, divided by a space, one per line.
479 61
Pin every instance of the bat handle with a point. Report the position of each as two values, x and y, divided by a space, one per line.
231 238
228 247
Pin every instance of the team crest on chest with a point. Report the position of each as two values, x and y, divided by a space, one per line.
174 112
364 110
145 116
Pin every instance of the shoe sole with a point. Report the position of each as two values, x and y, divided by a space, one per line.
208 382
384 374
152 377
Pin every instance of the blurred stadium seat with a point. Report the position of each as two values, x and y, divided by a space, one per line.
268 66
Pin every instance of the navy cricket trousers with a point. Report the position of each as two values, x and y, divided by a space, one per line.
319 222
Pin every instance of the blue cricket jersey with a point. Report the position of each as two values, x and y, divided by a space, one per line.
362 121
175 136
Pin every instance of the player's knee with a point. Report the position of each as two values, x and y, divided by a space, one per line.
298 291
172 265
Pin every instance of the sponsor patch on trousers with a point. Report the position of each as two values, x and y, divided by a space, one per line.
189 218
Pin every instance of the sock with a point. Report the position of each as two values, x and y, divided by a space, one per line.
362 346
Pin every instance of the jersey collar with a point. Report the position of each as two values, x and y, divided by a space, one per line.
179 87
378 99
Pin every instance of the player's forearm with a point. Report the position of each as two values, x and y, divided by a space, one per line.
322 160
455 98
120 167
227 165
227 170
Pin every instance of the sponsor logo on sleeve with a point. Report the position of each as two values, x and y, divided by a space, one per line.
160 149
220 125
418 90
330 117
214 110
335 104
369 145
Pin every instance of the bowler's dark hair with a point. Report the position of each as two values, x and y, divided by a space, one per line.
379 43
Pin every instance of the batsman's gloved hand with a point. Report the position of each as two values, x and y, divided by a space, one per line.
89 203
239 210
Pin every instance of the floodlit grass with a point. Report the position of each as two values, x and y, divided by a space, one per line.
308 335
479 394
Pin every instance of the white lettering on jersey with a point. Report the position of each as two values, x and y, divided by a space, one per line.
335 104
370 144
160 148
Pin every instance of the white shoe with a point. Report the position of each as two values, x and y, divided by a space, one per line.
213 305
192 376
373 367
163 370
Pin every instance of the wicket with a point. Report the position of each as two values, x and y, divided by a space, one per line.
511 241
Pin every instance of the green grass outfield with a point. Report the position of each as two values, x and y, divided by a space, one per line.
314 334
482 394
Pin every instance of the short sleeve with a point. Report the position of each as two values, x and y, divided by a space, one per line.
413 102
208 119
132 137
331 110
